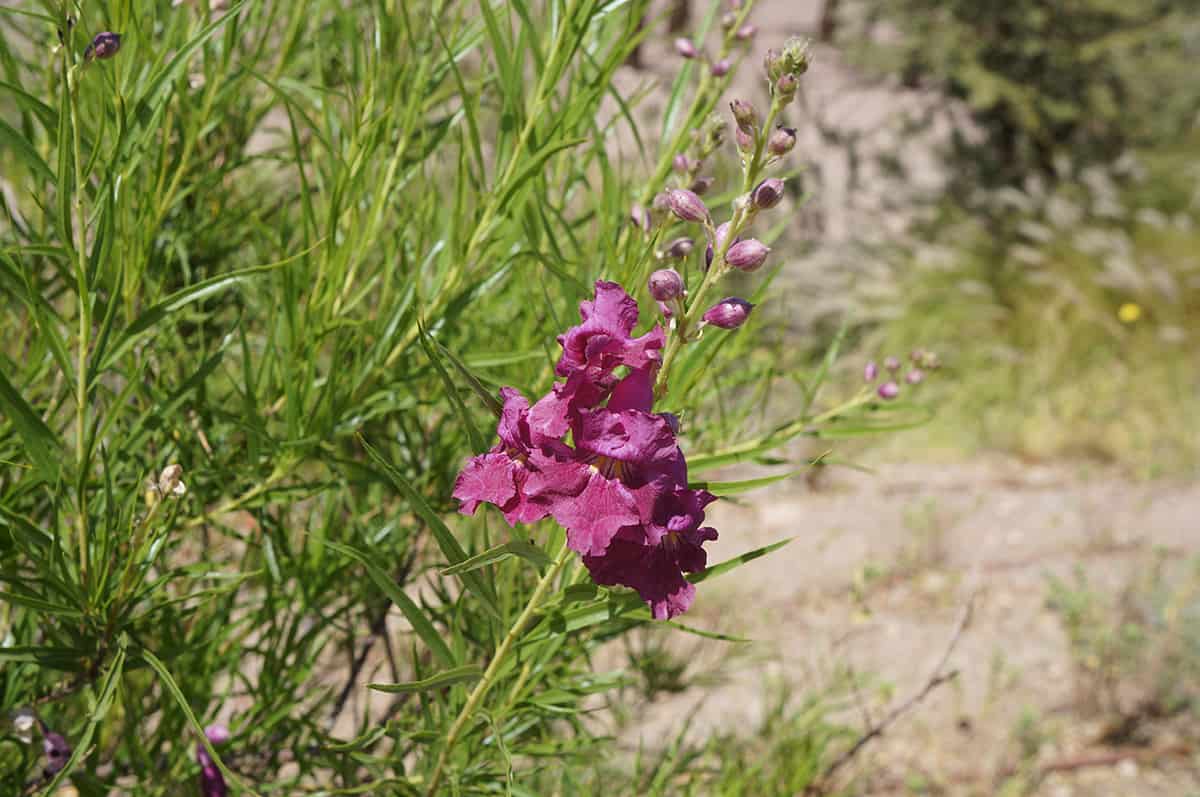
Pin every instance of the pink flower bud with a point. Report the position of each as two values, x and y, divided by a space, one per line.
745 140
721 68
870 372
782 141
217 734
682 163
729 313
686 205
786 86
640 218
722 234
747 255
665 284
892 364
767 194
746 33
915 376
685 48
888 391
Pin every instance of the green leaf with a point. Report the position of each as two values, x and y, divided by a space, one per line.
468 672
41 444
736 562
519 548
416 618
456 401
169 682
25 152
39 604
743 486
446 541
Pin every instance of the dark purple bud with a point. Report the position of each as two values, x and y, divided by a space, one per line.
729 313
915 376
722 234
701 185
891 363
782 140
686 205
57 752
721 68
870 372
679 248
744 114
747 255
745 141
665 284
104 45
682 163
888 391
746 33
685 48
767 194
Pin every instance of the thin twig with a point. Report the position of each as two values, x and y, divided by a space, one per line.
937 677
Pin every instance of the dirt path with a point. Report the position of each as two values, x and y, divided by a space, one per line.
876 578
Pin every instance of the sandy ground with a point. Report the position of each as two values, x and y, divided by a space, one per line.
877 578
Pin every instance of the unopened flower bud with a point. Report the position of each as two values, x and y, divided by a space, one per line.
169 482
104 45
785 87
888 391
721 68
744 114
665 284
57 752
767 194
747 255
217 734
722 234
686 205
915 376
870 372
745 141
700 186
23 722
782 140
746 32
685 48
640 218
679 248
729 313
773 64
891 363
728 20
681 164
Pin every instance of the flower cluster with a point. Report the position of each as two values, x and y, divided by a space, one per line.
922 362
620 486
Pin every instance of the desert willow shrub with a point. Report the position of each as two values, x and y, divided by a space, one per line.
258 264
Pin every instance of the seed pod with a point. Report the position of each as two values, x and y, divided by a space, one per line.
744 114
679 248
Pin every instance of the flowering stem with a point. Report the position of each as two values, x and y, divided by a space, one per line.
493 668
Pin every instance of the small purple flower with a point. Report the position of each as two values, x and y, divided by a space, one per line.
767 194
665 284
892 364
782 140
721 68
686 205
729 313
915 376
870 372
685 48
748 254
57 751
679 248
888 391
104 45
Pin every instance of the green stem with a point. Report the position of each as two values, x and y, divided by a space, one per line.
493 668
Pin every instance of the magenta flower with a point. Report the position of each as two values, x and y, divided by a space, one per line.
499 476
592 351
212 782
